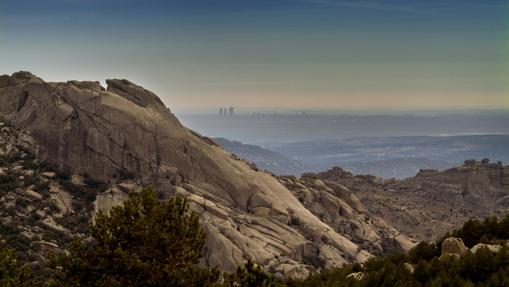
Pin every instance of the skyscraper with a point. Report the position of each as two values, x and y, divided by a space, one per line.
230 111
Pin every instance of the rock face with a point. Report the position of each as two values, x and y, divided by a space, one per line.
433 202
337 206
125 132
453 246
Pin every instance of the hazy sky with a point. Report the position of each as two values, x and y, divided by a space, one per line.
309 54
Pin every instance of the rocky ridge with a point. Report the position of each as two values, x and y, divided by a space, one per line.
433 202
339 207
123 135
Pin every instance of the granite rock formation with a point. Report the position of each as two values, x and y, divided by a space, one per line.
433 202
125 136
340 208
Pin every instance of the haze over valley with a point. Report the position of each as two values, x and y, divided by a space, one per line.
389 145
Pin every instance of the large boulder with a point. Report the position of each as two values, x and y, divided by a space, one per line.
453 246
490 247
403 242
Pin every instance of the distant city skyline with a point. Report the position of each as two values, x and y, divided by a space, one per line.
389 55
268 111
223 111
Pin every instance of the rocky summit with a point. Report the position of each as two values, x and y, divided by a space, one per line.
123 135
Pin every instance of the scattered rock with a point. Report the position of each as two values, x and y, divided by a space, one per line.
356 275
47 246
128 186
48 174
33 195
410 267
77 179
50 222
17 168
61 198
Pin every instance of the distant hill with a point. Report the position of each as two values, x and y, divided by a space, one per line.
387 157
264 158
397 157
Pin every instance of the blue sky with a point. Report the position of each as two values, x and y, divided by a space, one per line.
297 54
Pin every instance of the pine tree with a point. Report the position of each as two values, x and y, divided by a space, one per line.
144 242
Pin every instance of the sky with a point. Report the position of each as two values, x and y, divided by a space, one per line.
271 54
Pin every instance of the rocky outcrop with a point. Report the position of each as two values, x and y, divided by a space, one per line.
490 247
453 246
433 202
40 208
337 206
124 132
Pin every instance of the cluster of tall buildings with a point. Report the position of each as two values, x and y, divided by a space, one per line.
226 111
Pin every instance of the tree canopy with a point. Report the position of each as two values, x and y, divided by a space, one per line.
144 242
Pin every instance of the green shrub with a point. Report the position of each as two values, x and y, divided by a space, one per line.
424 251
251 275
12 273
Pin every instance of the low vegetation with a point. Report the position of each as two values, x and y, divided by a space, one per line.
12 272
144 242
425 266
149 242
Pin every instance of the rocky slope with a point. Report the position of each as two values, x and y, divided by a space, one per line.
337 206
124 135
41 207
433 202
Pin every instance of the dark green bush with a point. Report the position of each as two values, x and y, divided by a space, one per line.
12 273
251 275
145 242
